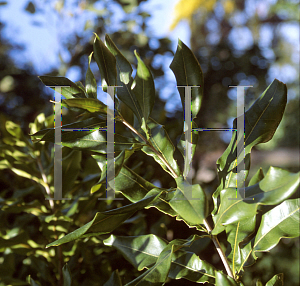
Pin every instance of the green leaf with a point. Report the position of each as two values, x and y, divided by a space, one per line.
72 91
114 280
90 81
88 104
49 134
189 202
258 176
70 168
143 251
275 187
106 62
143 87
181 146
258 283
124 79
32 282
277 280
261 122
67 275
158 273
188 72
281 221
160 140
224 280
102 162
104 222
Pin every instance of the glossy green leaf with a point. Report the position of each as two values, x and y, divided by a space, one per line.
158 273
258 283
114 280
281 221
188 72
143 251
90 81
88 104
104 222
257 177
49 134
70 91
143 87
261 122
275 187
102 163
160 140
277 280
236 233
67 275
125 80
189 202
106 62
224 280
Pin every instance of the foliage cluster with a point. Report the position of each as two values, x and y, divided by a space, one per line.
84 239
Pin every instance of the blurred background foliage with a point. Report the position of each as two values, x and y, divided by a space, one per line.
236 42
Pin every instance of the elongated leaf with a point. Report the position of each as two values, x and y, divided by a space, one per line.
189 202
70 91
277 280
188 72
49 134
181 146
162 143
90 81
158 273
143 87
236 233
88 104
67 275
143 252
114 280
106 62
70 168
261 122
282 221
224 280
104 222
124 79
275 187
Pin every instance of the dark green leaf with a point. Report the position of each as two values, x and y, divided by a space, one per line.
106 62
224 280
143 87
124 79
104 222
71 91
67 275
261 122
114 280
189 202
188 72
90 81
160 140
158 273
275 187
